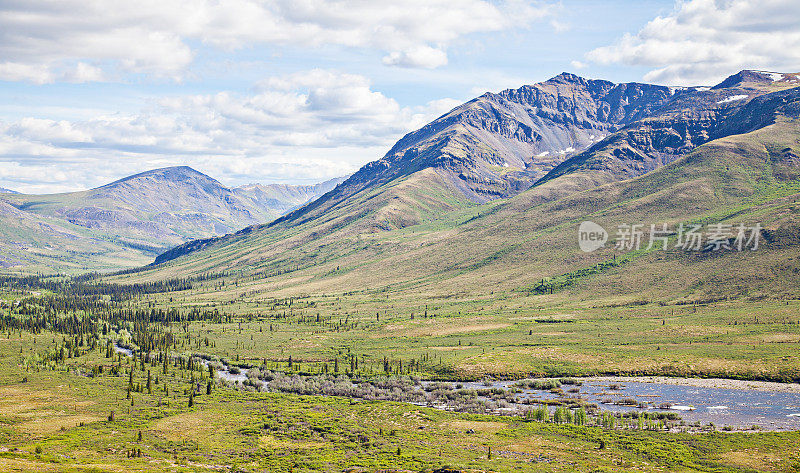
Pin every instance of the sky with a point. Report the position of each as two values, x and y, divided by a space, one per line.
299 91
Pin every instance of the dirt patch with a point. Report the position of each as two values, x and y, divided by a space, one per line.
544 316
441 331
688 330
274 443
49 424
394 327
781 338
754 459
465 425
184 426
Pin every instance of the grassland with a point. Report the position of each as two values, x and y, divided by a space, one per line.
57 419
506 336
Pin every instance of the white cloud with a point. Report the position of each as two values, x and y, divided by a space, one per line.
578 64
703 41
15 71
42 74
311 125
421 56
84 73
43 41
560 27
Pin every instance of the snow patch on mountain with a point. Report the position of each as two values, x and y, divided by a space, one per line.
733 98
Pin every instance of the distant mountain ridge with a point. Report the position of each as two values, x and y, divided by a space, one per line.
3 190
285 197
518 149
137 216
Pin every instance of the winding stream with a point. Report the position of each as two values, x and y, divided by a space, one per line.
223 374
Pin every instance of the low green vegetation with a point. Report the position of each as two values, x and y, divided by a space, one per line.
71 401
70 404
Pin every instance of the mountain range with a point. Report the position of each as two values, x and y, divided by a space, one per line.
129 221
490 196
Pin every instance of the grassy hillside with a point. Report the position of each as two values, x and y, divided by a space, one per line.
510 245
35 243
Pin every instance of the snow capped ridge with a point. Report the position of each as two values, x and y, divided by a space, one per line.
775 76
753 76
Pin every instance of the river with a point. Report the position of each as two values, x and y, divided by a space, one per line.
739 404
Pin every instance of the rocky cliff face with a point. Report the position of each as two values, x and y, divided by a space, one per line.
498 145
691 117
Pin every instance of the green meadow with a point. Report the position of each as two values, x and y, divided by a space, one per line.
58 417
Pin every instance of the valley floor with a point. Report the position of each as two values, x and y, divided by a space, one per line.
56 401
58 420
503 335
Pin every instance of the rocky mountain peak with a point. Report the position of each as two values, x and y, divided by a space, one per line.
497 145
567 78
748 76
174 174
